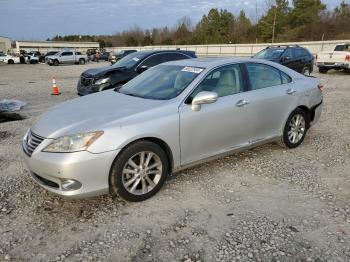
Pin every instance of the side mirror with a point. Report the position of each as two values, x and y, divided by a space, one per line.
286 58
142 69
203 97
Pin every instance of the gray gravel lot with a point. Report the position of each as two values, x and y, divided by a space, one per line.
265 204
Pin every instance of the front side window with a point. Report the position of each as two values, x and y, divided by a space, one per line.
130 60
175 56
162 82
153 60
288 53
262 76
224 81
67 53
270 53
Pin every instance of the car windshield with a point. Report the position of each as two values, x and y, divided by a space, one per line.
130 60
270 53
161 82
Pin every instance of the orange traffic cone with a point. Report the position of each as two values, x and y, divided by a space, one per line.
55 91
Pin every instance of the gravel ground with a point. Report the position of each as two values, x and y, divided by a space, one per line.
265 204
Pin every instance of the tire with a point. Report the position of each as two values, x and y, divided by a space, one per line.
306 71
55 63
287 138
81 61
10 62
138 186
322 70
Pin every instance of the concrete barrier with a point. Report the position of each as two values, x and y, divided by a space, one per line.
237 49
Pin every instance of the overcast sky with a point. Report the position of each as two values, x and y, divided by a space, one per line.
40 19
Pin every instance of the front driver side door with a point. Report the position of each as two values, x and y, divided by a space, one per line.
218 127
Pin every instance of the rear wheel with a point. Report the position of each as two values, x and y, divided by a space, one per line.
11 62
295 129
322 70
139 171
81 61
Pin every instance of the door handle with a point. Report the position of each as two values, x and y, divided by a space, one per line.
242 102
291 91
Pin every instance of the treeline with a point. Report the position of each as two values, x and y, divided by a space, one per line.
304 20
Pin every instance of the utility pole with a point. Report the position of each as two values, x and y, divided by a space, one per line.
274 25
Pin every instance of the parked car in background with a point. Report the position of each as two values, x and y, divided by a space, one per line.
67 57
339 59
33 57
9 59
115 57
104 56
103 78
127 141
43 57
295 57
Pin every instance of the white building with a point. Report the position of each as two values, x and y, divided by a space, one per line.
45 46
5 44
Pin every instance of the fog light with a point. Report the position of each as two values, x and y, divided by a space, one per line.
70 184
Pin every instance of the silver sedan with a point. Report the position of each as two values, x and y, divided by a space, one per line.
175 115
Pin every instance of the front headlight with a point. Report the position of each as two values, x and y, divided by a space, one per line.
101 81
73 143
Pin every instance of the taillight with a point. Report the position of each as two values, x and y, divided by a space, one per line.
347 58
320 87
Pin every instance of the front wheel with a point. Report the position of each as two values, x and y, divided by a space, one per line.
306 71
55 62
139 171
295 129
11 62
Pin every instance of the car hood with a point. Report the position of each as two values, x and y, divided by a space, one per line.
101 71
91 113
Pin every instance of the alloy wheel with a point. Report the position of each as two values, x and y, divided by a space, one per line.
296 129
142 172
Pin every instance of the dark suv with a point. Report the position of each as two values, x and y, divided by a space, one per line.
103 78
294 57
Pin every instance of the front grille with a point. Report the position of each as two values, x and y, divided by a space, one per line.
46 182
31 143
85 81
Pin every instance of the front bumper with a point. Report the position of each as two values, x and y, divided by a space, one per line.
52 170
90 89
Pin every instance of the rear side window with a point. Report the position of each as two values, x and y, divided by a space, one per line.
262 76
175 56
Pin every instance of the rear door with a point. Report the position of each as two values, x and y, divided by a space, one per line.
272 97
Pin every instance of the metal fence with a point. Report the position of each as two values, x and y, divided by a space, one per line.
237 49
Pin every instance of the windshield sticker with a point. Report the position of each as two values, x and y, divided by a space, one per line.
190 69
136 59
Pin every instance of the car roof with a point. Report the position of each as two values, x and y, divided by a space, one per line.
149 52
212 62
208 62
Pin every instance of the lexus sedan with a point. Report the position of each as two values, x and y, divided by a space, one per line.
127 141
